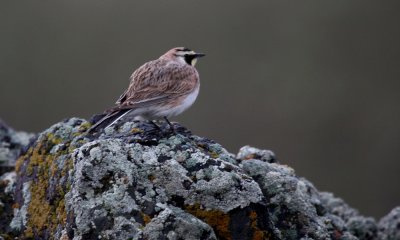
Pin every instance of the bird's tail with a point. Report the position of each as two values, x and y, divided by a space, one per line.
108 120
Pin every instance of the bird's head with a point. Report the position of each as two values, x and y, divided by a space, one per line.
183 55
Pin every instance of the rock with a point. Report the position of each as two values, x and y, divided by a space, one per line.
184 226
132 181
360 226
12 144
389 226
7 187
247 153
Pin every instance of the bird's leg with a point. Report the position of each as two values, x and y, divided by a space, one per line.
170 124
156 126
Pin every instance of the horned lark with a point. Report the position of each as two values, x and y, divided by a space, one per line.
161 88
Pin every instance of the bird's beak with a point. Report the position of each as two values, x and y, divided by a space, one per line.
199 55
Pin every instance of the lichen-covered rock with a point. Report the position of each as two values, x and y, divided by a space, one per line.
132 181
174 223
130 177
389 226
360 226
247 152
12 144
7 185
43 179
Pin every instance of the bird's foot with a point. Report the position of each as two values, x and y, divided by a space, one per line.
171 126
156 126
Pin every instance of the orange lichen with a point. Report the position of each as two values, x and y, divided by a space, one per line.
250 156
146 218
218 220
258 234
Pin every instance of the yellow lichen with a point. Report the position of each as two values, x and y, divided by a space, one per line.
21 160
218 220
136 130
84 126
43 215
39 209
28 233
62 214
69 164
203 147
53 170
53 139
214 154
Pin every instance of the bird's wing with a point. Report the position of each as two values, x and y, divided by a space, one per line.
122 98
139 104
156 82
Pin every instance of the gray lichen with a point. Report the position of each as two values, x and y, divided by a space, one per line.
248 152
132 181
174 223
12 144
389 226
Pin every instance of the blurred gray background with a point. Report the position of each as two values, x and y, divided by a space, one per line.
317 82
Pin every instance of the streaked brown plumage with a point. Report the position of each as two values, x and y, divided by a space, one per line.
164 87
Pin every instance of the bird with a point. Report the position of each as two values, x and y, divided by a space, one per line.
161 88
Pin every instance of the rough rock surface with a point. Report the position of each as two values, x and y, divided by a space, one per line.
12 144
389 226
134 182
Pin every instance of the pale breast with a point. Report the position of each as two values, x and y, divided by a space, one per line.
185 104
